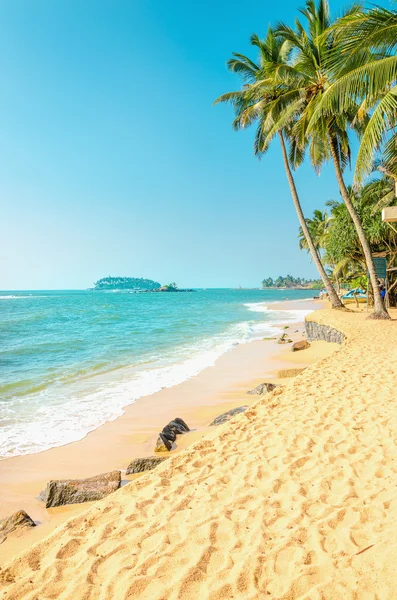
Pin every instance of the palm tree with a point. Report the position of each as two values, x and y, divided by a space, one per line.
267 100
365 71
318 227
326 137
340 247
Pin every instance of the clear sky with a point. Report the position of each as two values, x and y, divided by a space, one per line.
113 159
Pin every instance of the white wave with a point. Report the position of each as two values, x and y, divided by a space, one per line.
10 297
278 315
67 414
257 306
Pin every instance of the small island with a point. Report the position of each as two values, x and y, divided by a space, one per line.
135 284
293 283
126 283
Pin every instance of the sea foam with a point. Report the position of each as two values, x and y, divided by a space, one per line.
67 408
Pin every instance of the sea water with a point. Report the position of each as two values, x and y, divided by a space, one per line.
72 360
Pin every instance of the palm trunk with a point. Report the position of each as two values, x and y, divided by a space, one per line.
333 296
380 311
338 285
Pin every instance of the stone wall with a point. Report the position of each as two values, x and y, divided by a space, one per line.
316 332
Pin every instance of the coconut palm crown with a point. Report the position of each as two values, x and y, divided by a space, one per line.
268 100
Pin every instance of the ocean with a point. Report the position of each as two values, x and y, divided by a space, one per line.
72 360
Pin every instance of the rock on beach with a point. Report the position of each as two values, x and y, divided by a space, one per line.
262 388
139 465
301 345
18 520
228 415
74 491
168 435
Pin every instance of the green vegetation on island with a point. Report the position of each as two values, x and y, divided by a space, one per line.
126 283
294 283
134 284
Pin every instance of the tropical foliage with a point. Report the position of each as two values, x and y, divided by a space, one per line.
336 237
292 283
313 85
125 283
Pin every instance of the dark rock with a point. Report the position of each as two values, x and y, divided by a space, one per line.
169 433
139 465
262 388
316 332
16 521
162 444
228 415
302 345
74 491
177 427
181 422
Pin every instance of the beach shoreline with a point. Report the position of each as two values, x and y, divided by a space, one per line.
294 498
112 446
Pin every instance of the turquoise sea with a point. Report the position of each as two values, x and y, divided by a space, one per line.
72 360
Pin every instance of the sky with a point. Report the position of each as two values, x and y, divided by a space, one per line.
114 161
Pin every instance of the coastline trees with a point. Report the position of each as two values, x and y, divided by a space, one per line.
327 137
268 99
340 246
314 83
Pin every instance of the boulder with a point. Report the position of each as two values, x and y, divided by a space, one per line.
74 491
181 422
168 435
139 465
16 521
178 426
162 444
302 345
228 415
262 388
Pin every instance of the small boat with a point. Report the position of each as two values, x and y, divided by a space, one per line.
357 294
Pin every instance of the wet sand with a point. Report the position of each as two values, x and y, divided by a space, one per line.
112 446
293 499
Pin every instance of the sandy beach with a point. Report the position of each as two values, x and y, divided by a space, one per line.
293 499
198 400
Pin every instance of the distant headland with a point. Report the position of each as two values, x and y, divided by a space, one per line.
135 284
294 283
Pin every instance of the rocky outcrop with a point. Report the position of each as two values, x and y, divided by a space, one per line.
302 345
262 388
74 491
317 332
16 521
168 435
228 415
139 465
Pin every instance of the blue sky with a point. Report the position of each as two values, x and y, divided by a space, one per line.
113 159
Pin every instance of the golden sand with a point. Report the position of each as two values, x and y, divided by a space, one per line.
198 400
294 499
